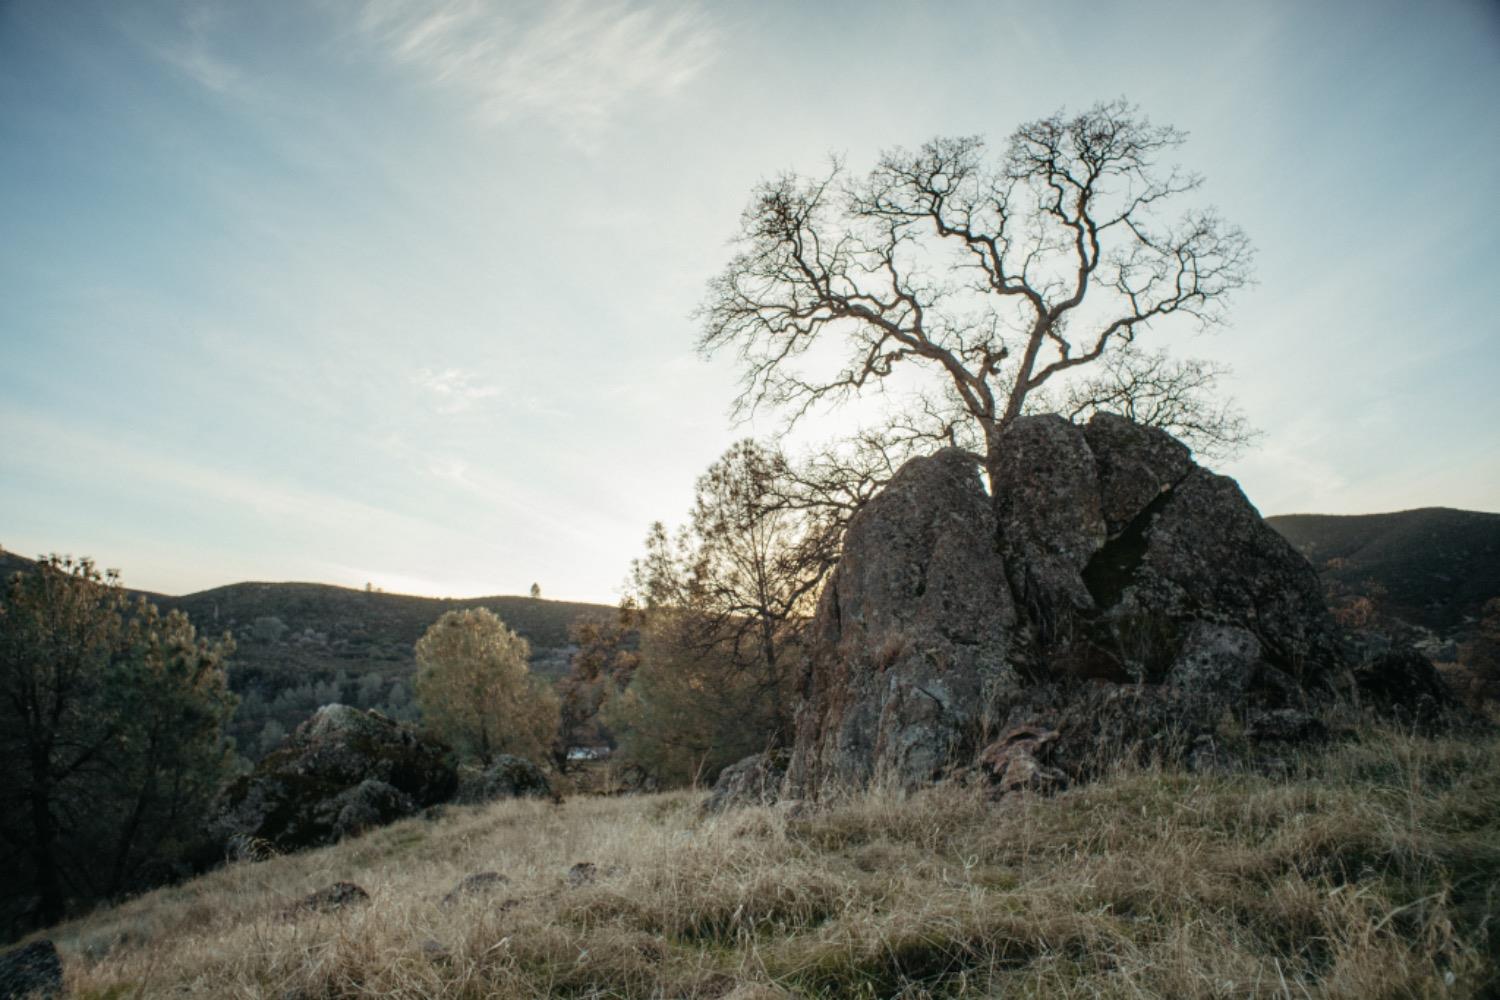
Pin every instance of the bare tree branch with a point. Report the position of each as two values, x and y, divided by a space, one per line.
1179 396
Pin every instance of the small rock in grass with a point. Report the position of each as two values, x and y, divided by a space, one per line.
332 897
474 884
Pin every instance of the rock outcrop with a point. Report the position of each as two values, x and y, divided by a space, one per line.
369 804
343 771
1111 597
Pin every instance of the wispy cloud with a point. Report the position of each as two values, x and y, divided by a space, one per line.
573 64
453 389
191 51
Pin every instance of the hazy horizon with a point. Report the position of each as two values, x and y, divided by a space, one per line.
399 293
520 593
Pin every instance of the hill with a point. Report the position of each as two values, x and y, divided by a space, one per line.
323 625
302 645
1434 567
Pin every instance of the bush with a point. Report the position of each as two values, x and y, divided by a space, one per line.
476 691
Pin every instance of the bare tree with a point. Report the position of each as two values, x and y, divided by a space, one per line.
757 565
997 277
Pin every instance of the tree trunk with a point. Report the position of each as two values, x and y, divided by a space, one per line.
773 677
128 833
44 839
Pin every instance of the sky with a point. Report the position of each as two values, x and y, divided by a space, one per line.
400 292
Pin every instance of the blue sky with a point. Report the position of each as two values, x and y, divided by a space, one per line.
399 292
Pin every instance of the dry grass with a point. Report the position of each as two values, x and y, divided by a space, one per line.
1372 872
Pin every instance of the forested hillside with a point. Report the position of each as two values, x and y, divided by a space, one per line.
1434 567
1429 576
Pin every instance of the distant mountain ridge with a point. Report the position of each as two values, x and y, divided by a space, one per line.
361 620
1433 566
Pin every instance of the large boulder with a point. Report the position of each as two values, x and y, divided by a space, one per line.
342 771
1134 466
1111 594
1201 552
369 804
1051 515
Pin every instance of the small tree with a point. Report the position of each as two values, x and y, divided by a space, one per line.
536 591
271 736
268 629
690 709
369 690
741 578
475 689
111 733
994 280
722 606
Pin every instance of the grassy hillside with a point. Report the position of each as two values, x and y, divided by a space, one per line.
1433 567
1371 872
